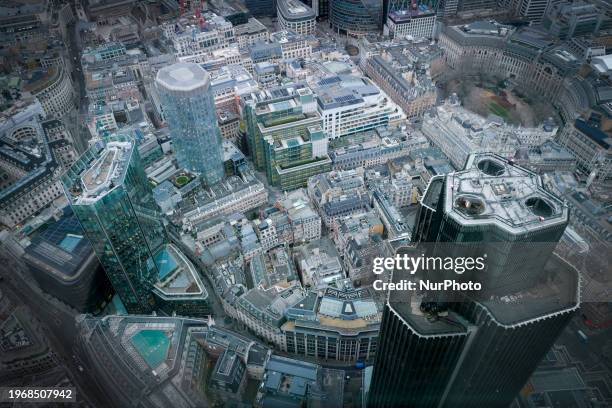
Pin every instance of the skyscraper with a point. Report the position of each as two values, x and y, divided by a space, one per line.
189 109
110 194
477 349
499 209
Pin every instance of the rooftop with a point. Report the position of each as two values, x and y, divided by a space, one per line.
295 10
492 190
105 172
152 345
183 77
61 248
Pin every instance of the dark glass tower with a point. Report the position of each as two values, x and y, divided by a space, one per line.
110 194
477 349
355 16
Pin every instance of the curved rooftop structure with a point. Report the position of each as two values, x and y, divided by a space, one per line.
294 10
183 77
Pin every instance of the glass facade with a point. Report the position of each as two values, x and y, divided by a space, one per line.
120 219
189 109
356 16
286 140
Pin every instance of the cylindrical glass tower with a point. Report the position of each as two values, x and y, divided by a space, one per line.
189 109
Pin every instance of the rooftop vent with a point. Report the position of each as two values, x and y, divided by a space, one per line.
470 205
491 167
539 207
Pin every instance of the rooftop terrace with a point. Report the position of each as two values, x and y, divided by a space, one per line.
105 171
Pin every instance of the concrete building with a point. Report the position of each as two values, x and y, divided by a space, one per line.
25 348
288 382
192 39
343 327
292 45
459 132
52 87
591 148
404 72
160 361
417 23
338 194
349 104
295 16
566 20
29 163
528 57
239 193
285 137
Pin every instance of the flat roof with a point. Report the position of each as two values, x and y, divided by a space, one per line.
295 10
183 77
491 190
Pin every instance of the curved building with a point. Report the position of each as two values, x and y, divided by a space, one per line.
189 108
527 57
295 16
53 89
355 17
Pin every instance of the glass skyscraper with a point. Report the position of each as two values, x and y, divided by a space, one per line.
110 194
189 109
460 349
356 16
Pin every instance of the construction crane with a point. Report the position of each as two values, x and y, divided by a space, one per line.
200 18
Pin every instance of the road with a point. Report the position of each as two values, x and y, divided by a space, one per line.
74 120
58 324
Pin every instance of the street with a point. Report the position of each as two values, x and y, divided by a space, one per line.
58 323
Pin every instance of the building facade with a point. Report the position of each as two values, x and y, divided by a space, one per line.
189 109
111 196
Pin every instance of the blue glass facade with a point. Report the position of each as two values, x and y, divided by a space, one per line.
189 110
110 194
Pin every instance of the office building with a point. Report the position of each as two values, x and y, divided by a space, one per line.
193 40
529 57
162 361
566 20
63 263
293 15
189 109
350 104
404 72
493 201
285 136
293 383
28 163
338 194
355 17
459 132
261 8
341 324
591 147
475 353
111 196
416 23
480 348
532 10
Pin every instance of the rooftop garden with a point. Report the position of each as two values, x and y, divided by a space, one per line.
182 179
